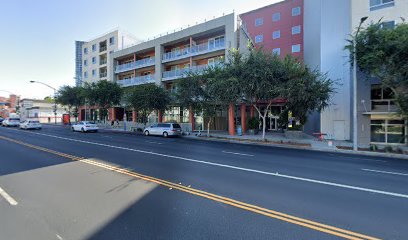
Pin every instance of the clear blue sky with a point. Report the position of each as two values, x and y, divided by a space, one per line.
38 37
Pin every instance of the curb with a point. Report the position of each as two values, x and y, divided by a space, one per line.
350 152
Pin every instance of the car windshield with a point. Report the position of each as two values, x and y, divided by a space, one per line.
34 121
88 122
14 119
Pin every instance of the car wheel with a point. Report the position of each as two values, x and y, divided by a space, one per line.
82 130
96 131
73 129
146 133
165 134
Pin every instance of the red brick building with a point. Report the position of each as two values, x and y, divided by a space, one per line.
278 28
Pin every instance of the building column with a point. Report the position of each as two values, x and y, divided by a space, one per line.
134 116
243 118
112 114
191 118
160 114
252 111
231 116
80 114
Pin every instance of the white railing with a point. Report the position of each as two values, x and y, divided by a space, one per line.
103 75
136 80
176 54
383 106
179 73
103 61
102 49
195 50
135 64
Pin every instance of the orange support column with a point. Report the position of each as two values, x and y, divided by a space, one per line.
191 118
251 111
160 116
243 118
134 116
231 118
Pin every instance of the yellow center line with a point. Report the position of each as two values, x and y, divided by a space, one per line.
238 204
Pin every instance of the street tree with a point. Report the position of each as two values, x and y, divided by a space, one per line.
382 52
104 94
71 97
206 92
146 99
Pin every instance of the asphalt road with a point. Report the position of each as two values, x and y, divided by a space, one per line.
103 189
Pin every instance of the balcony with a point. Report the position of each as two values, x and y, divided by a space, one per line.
136 81
103 61
103 75
102 48
202 48
383 106
180 73
135 65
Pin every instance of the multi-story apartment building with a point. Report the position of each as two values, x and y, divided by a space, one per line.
277 28
327 25
317 32
95 55
168 58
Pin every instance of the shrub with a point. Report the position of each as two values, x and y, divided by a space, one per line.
373 148
388 149
253 123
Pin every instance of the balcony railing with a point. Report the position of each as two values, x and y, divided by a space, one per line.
195 50
103 61
180 73
383 106
103 75
102 49
136 80
135 64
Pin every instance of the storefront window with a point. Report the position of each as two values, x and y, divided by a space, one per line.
388 131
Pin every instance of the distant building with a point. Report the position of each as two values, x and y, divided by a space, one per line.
92 62
8 105
41 110
78 62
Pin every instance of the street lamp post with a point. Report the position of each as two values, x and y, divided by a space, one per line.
355 137
55 99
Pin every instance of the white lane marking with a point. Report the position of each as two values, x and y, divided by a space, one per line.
242 154
154 142
8 197
59 237
240 168
378 171
364 159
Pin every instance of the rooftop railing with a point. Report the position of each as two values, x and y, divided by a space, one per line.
383 106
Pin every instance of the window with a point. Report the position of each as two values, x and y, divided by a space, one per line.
258 21
296 48
276 34
93 47
85 74
111 40
378 4
276 17
276 51
85 62
387 131
258 38
85 50
388 25
93 72
296 30
296 11
93 60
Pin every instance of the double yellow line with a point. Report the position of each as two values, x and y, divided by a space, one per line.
242 205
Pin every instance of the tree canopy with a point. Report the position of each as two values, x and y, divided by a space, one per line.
383 52
72 97
146 98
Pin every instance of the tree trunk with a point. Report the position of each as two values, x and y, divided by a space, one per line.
208 127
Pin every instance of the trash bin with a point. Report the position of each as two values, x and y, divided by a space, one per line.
239 131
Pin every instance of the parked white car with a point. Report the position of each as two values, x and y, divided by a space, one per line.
164 129
11 122
85 126
30 124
